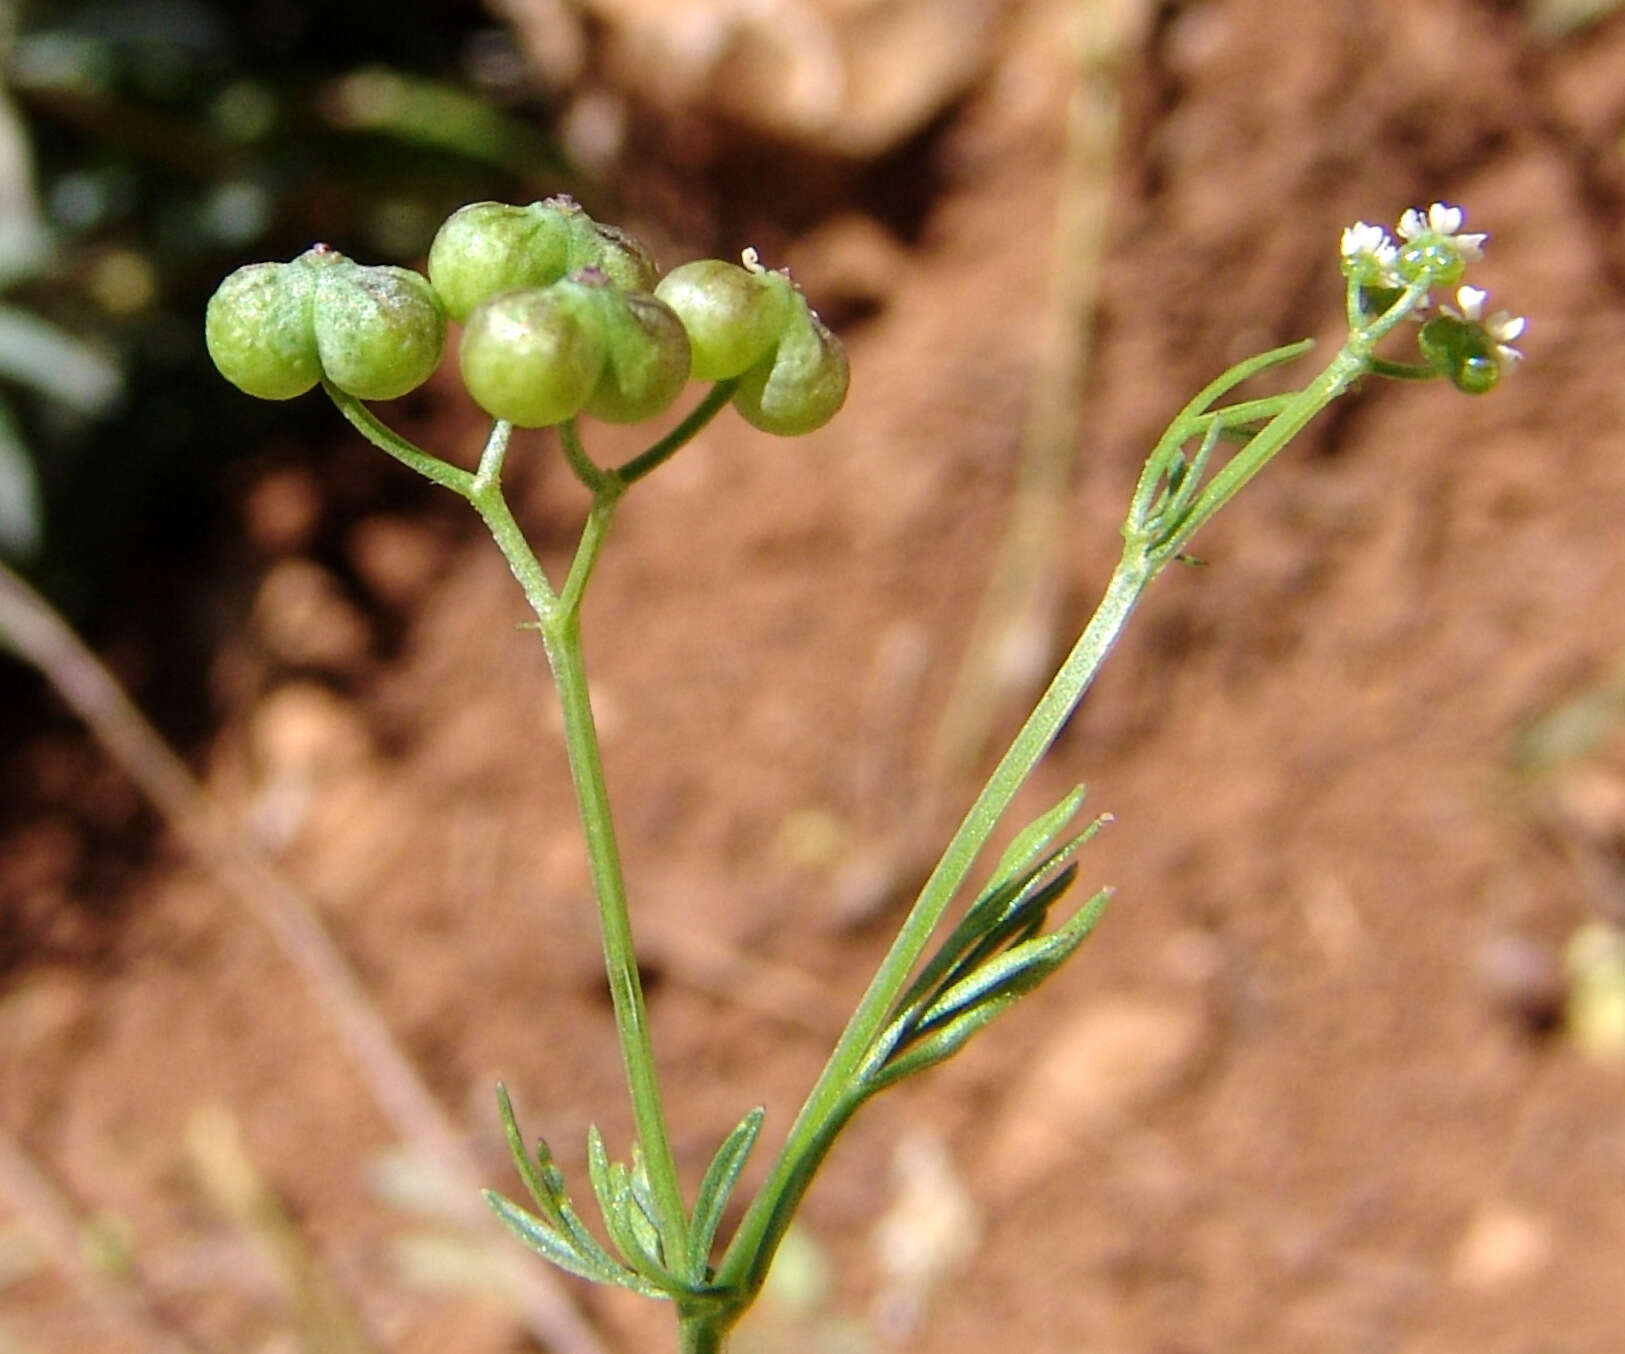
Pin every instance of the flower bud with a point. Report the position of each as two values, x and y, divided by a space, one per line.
487 248
259 333
802 383
733 315
646 354
379 331
533 357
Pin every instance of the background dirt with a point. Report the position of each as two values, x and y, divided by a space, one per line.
1301 1091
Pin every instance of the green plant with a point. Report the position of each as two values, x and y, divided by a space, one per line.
569 329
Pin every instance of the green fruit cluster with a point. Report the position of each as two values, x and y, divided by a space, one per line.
561 315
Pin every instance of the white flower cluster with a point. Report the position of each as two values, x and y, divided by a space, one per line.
1372 258
1369 245
1442 223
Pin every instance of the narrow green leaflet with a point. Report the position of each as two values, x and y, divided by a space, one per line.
644 1196
545 1183
934 1049
923 1038
999 903
717 1188
1022 921
634 1220
1018 970
630 1229
554 1246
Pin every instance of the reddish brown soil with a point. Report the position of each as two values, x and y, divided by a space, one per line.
1297 1092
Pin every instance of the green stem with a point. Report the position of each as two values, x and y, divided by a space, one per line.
744 1266
561 633
558 617
575 455
1145 552
593 533
663 450
1343 370
365 422
700 1335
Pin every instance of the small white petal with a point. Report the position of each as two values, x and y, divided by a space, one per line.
1503 328
1471 300
1411 224
1471 246
1445 220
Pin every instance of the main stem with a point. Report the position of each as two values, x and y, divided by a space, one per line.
561 634
559 620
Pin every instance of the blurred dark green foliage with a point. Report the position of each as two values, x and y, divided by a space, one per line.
147 148
175 139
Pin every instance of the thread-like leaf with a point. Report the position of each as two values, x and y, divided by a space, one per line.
1023 920
633 1234
998 903
1017 970
717 1187
644 1196
545 1184
943 1028
553 1246
599 1176
936 1047
1035 839
534 1184
638 1216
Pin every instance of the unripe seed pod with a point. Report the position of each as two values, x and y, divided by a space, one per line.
617 253
802 384
487 248
1462 352
532 357
733 315
1439 255
379 331
645 356
259 333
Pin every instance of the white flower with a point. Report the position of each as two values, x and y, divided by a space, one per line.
1372 241
1445 223
1501 327
1369 256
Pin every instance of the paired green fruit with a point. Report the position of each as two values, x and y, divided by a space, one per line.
539 356
275 329
379 331
487 248
532 357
